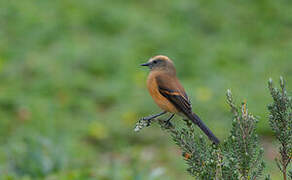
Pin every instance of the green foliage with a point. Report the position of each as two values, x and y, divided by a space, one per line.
243 146
203 159
200 157
281 123
36 156
239 157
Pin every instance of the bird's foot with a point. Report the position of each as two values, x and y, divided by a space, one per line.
147 120
168 120
150 118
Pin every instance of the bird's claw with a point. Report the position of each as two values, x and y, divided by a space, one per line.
149 120
167 124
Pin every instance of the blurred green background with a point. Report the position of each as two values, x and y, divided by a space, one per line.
71 87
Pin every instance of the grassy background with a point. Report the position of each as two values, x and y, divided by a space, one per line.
71 87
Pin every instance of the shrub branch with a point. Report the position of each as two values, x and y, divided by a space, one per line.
280 119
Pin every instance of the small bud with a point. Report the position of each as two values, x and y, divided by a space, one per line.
281 80
228 92
186 156
270 81
137 128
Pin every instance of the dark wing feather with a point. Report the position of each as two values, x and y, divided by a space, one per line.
174 92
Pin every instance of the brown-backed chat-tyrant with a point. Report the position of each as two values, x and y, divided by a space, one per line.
169 94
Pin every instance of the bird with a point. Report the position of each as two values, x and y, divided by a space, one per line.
168 93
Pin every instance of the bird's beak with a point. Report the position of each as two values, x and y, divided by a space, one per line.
145 64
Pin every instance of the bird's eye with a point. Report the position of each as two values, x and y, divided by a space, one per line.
154 61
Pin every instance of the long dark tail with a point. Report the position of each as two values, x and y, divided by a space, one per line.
196 120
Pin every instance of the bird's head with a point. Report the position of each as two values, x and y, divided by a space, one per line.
161 63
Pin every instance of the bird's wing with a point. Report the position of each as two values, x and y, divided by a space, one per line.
171 89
